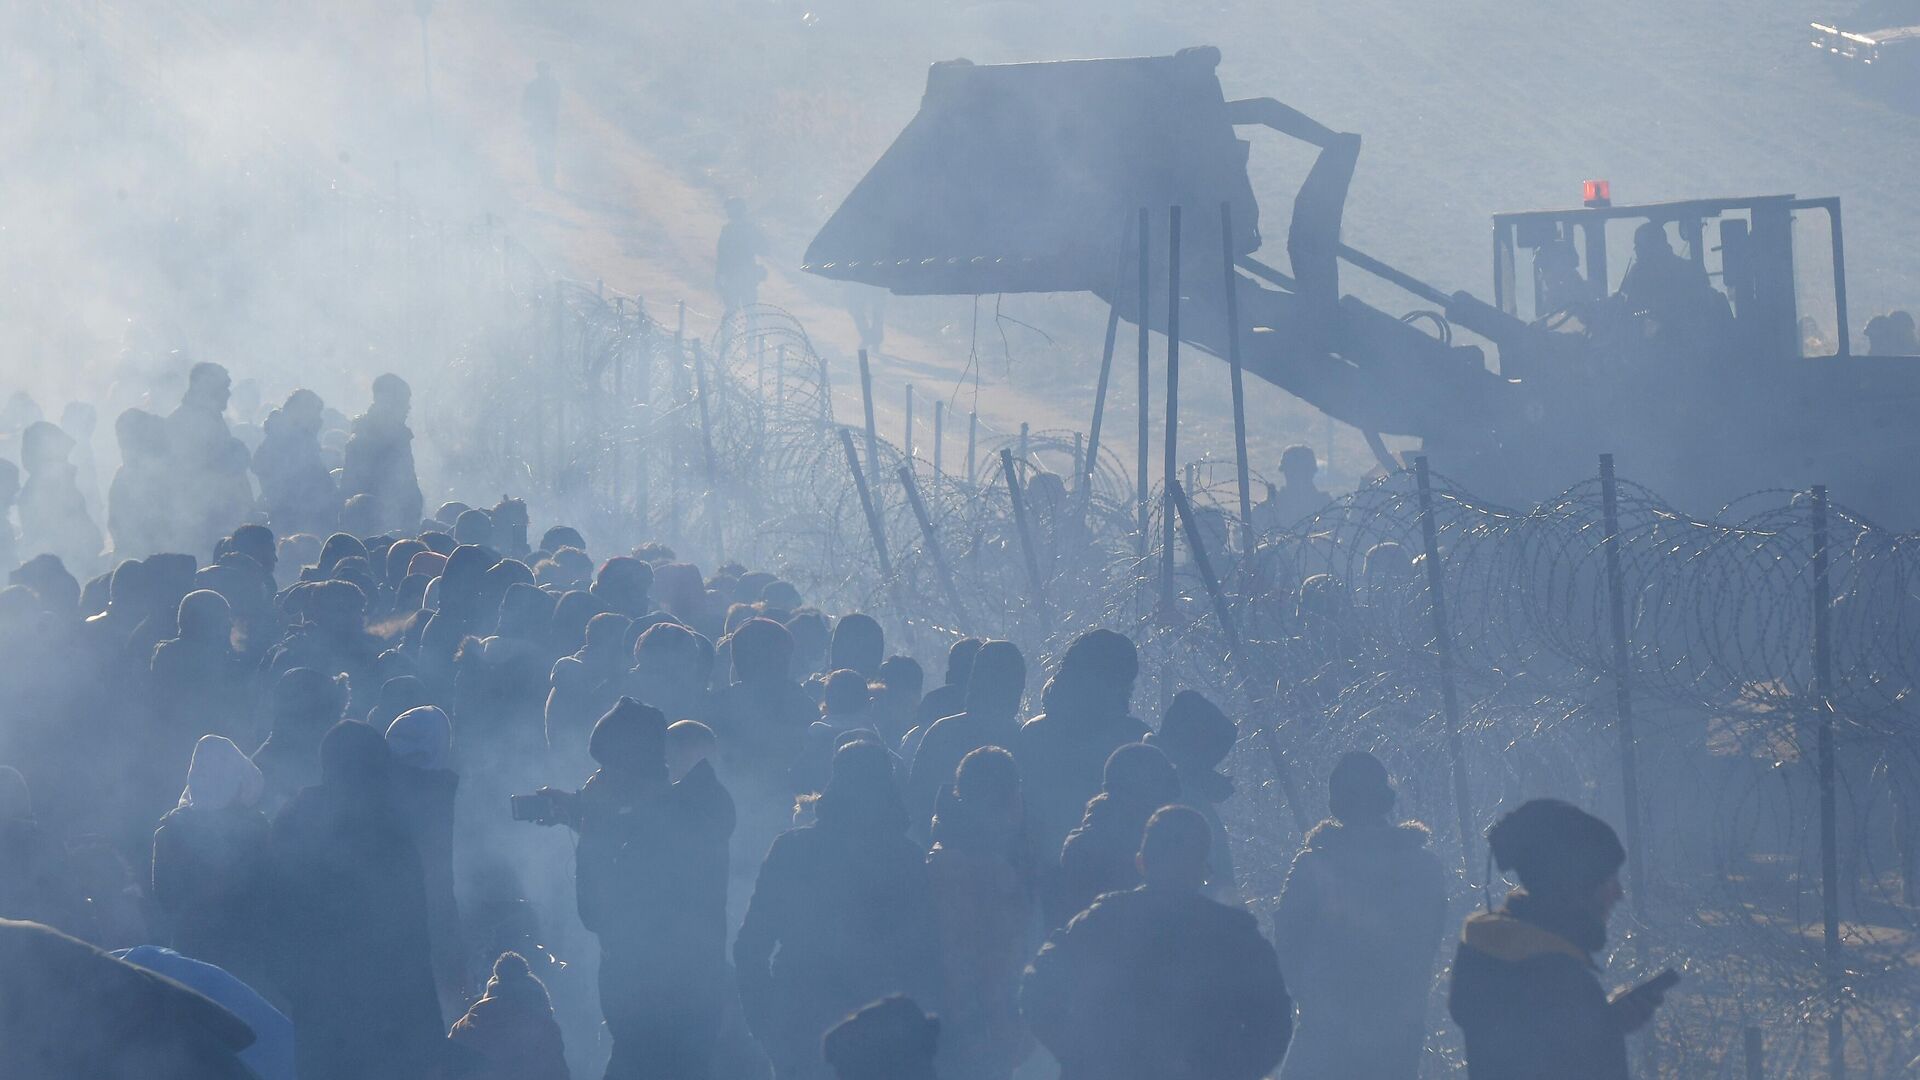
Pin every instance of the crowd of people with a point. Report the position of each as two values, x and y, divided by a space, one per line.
304 808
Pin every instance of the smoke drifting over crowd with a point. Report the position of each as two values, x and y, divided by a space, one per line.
989 541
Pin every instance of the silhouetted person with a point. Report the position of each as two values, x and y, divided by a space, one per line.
420 742
582 687
295 483
1891 334
891 1039
350 919
1670 290
210 861
623 584
142 515
80 420
1196 736
196 677
737 272
303 706
841 914
858 644
1063 751
1099 856
71 1010
951 695
53 513
209 464
9 495
38 885
984 906
670 666
1160 982
990 716
1299 496
511 1029
652 870
1357 928
1526 990
332 638
379 460
540 110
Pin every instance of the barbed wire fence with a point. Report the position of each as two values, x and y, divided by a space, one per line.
1321 638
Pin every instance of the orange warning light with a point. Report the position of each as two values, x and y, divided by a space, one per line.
1596 193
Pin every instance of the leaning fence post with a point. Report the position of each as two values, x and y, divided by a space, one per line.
1443 647
1829 827
1083 472
874 527
1622 686
1021 526
1239 388
934 550
939 434
866 402
1146 385
1169 439
907 446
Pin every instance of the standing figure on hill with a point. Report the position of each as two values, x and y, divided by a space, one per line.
379 461
295 483
737 272
143 513
540 108
1298 497
53 512
209 464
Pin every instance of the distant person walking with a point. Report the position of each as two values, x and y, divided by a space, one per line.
737 272
540 108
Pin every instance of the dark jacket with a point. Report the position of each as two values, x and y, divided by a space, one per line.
1061 759
209 873
1529 1000
1099 856
1155 984
841 916
424 799
1359 922
984 908
512 1032
938 756
350 938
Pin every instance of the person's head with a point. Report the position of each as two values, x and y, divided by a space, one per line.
630 740
1174 849
689 742
474 527
667 648
421 738
56 590
304 410
904 679
1094 677
606 635
762 651
960 656
1562 855
1195 733
847 694
996 679
307 700
220 776
354 759
43 445
1298 465
1358 790
256 542
562 536
987 779
205 618
337 607
392 394
1650 241
1141 775
891 1039
513 980
860 791
859 644
209 385
623 584
810 637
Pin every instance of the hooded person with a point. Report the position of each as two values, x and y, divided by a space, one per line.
209 465
511 1030
420 742
304 706
379 458
1160 982
989 716
53 511
841 914
350 933
1099 856
68 1009
984 906
1359 922
1063 751
891 1039
651 880
582 687
1526 990
196 678
210 860
295 483
1196 736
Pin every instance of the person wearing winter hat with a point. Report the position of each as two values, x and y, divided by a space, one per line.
1098 857
1197 736
1526 990
511 1030
1359 922
891 1039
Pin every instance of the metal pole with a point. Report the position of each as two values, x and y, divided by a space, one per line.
1622 686
939 434
1197 544
1443 646
874 527
1239 388
1143 313
1023 441
1829 822
866 402
908 447
934 550
973 436
1169 473
706 447
1026 540
1084 481
780 377
1079 454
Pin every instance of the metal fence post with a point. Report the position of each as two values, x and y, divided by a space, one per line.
1443 647
1829 827
1622 686
1170 439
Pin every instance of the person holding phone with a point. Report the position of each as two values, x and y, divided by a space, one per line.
1526 990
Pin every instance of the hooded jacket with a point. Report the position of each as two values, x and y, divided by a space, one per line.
1527 995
